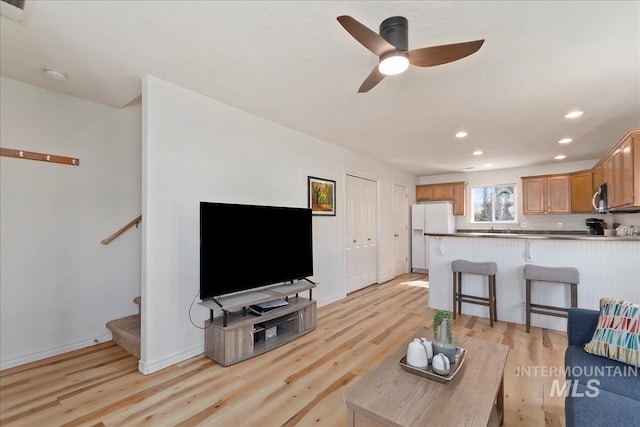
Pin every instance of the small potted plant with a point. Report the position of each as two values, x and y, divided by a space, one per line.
442 325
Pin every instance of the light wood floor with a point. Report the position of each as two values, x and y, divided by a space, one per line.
302 383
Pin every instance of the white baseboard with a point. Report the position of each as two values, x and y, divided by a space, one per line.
330 300
147 368
34 357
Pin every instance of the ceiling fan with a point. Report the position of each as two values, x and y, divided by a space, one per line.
392 47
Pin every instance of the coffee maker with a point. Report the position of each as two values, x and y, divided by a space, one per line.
596 226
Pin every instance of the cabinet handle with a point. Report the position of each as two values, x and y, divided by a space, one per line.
354 241
301 319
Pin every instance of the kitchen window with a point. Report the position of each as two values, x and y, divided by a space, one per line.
494 203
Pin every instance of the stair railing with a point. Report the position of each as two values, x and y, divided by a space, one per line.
122 230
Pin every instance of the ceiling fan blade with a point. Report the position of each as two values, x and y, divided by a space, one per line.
372 79
436 55
367 37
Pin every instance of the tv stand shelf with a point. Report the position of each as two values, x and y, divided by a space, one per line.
240 336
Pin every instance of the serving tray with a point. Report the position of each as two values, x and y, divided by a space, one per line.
429 373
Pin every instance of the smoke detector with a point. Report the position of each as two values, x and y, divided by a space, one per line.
58 75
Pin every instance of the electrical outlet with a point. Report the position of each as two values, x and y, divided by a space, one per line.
523 225
559 225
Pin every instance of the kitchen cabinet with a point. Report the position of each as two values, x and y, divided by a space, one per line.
625 170
620 170
547 194
459 198
424 193
443 191
581 192
598 178
447 191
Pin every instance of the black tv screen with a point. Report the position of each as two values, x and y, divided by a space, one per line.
248 246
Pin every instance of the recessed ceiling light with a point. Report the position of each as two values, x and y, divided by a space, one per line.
560 157
565 141
574 114
61 76
488 165
477 153
461 134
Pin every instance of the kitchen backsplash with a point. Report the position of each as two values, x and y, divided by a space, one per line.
574 222
626 219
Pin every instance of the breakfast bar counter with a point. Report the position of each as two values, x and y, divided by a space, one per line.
608 267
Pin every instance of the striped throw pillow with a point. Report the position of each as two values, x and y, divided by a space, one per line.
617 335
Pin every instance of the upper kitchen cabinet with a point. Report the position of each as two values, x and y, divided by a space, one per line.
620 170
547 194
448 191
581 192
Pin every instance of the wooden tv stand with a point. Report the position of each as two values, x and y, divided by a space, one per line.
238 336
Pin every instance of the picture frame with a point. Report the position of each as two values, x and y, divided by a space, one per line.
321 195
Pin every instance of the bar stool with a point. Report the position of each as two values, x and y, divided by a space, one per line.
489 269
561 275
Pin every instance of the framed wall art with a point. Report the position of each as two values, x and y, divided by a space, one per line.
322 196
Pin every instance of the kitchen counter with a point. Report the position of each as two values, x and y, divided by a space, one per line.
608 267
536 235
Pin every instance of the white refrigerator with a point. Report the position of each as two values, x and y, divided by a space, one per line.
436 217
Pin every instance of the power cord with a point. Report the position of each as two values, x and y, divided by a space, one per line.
191 307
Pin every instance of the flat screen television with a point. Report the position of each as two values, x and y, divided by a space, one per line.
247 246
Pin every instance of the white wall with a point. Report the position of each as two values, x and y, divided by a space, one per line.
197 149
58 284
513 176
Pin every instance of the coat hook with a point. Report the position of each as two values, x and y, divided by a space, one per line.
43 157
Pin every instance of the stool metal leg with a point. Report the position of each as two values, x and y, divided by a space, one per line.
459 292
491 300
495 298
528 304
455 293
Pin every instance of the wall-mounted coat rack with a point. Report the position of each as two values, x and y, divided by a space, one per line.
30 155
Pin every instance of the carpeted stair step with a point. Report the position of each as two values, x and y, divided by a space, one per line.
126 333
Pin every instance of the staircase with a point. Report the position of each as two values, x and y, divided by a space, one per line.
126 331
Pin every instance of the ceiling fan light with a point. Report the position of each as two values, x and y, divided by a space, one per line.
393 63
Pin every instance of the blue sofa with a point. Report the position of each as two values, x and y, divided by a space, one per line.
610 400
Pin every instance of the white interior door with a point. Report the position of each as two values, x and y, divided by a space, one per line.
369 207
361 223
400 230
354 234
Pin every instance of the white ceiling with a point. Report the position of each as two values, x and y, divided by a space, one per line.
292 63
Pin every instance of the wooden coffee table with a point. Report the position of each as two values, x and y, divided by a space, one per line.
390 396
